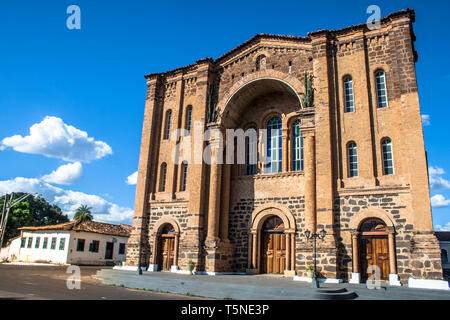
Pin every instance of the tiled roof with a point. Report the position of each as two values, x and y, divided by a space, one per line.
443 235
121 230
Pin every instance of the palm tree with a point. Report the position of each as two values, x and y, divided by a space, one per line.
83 213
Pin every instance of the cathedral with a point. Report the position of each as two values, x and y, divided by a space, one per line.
338 154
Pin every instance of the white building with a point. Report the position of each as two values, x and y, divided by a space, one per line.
84 243
444 243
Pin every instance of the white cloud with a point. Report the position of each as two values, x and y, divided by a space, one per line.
439 201
426 120
442 228
55 139
436 181
69 200
66 174
132 178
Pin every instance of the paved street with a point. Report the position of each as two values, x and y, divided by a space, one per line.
49 282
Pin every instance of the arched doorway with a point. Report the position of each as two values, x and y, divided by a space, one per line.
166 250
273 246
374 248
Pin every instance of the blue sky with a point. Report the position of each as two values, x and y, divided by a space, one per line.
83 91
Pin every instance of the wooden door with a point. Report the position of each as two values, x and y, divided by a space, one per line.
109 250
375 251
273 252
166 256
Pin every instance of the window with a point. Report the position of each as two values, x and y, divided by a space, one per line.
62 243
261 62
444 256
23 241
348 94
380 85
388 158
297 147
274 145
80 245
53 245
250 151
122 248
30 241
45 242
184 173
167 124
352 158
162 177
36 244
188 120
94 245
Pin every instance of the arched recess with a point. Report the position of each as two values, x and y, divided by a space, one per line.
364 214
364 245
259 216
257 83
159 239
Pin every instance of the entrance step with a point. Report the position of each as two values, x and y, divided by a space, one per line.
334 294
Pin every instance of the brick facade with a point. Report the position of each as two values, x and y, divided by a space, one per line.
217 216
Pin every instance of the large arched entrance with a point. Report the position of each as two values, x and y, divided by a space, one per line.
166 248
374 248
273 246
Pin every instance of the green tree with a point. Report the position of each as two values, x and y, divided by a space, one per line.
33 211
83 213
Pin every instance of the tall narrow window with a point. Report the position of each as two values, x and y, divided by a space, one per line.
162 177
44 244
348 94
184 173
352 158
251 140
188 120
30 241
380 85
62 243
388 158
274 145
167 124
37 243
297 147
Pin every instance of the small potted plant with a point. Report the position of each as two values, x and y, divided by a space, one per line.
190 266
310 271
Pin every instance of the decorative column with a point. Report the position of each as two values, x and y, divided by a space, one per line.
175 258
254 253
219 253
288 251
310 180
393 276
285 150
356 275
214 191
293 252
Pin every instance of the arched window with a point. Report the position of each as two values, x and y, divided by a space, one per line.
274 142
251 142
444 256
380 85
297 147
167 124
348 94
162 177
184 173
261 62
188 120
388 158
352 158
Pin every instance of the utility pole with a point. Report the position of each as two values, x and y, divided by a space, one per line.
7 205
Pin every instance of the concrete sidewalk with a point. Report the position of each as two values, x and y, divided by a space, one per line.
253 287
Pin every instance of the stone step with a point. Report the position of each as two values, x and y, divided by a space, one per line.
334 294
